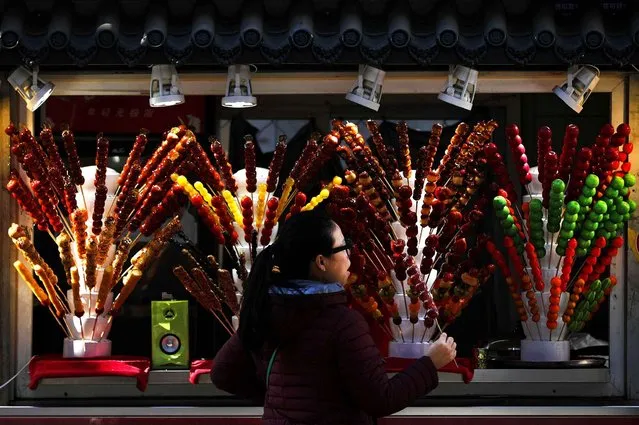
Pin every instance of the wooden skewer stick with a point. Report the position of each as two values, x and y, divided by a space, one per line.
224 325
51 234
527 327
63 297
562 330
136 239
538 330
424 334
57 319
106 326
115 199
287 202
65 224
441 331
399 327
558 263
95 322
83 198
82 329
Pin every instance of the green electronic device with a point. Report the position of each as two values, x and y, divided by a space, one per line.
170 334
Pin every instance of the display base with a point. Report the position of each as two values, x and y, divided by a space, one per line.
55 367
74 348
545 351
407 350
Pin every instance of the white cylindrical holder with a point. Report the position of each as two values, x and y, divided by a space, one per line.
408 350
85 324
535 185
89 333
79 348
242 245
545 351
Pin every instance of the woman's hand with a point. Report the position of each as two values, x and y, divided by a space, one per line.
443 351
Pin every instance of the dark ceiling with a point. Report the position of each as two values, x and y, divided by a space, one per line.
319 34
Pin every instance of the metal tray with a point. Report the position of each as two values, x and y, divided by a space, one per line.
577 363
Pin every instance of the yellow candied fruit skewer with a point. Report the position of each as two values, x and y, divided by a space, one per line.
316 200
203 192
198 188
261 206
235 210
286 193
337 180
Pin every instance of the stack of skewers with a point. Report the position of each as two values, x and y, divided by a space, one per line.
413 264
96 224
561 240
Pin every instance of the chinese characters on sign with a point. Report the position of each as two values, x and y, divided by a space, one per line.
122 114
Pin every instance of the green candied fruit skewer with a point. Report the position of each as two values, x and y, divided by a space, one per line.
629 180
625 192
567 230
555 205
507 221
536 231
616 216
590 224
591 182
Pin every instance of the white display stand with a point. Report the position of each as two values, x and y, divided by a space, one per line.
243 247
408 350
89 333
542 344
79 348
545 351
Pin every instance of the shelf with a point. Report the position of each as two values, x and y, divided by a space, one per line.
174 383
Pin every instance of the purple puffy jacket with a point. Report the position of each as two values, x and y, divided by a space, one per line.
327 369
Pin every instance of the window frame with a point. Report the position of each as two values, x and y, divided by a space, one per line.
16 331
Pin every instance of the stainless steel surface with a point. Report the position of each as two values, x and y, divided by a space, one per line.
571 411
586 362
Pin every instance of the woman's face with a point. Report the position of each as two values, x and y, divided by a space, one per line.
337 264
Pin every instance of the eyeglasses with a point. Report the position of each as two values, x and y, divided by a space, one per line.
348 245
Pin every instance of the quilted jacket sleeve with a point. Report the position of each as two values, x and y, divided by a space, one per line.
234 371
361 369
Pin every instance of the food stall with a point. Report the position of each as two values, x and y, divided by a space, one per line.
307 60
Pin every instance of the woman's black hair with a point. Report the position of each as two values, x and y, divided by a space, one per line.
300 239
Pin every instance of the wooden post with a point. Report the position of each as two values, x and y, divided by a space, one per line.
8 253
631 287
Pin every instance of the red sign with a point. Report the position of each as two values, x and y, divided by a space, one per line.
122 114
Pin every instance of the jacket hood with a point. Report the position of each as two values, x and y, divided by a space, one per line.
299 302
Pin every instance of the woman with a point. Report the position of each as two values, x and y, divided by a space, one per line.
301 351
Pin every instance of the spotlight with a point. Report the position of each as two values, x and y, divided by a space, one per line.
367 89
165 86
581 81
461 87
33 90
239 93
